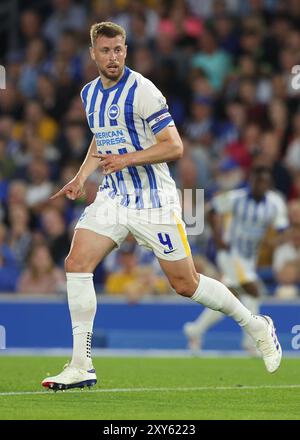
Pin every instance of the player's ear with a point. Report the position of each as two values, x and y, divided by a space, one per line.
92 53
125 51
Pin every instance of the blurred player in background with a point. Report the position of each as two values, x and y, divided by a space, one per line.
134 137
239 220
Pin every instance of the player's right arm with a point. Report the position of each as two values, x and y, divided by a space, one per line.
74 189
215 222
219 206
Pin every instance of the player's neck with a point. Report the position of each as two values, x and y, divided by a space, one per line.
108 83
258 197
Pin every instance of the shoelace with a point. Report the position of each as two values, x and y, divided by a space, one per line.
266 347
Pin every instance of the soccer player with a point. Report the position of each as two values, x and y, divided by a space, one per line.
134 137
246 214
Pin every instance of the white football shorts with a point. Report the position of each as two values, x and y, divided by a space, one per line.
160 229
236 270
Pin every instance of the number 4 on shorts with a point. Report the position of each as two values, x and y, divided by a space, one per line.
165 240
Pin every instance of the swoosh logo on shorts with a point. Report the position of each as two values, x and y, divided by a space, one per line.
169 252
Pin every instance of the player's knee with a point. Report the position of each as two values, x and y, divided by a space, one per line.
183 286
75 265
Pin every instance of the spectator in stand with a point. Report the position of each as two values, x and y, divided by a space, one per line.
194 170
251 38
66 15
33 147
68 46
17 193
255 111
227 34
168 52
19 235
66 86
35 63
54 230
292 157
30 27
294 213
12 146
138 35
41 275
9 270
73 142
269 155
36 120
143 62
286 265
243 150
200 127
228 175
289 59
11 103
47 96
134 280
39 188
75 111
231 127
211 8
7 165
129 8
278 115
183 27
215 62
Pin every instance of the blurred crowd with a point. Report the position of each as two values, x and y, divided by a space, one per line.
225 68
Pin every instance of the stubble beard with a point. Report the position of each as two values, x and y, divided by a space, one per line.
111 77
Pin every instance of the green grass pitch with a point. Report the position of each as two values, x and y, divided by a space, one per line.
153 388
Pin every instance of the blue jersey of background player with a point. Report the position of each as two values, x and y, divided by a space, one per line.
252 211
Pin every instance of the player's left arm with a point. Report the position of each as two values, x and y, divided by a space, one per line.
168 147
219 206
280 221
152 108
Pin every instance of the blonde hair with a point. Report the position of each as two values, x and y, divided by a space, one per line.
106 28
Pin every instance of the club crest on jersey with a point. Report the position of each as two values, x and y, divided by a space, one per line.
113 111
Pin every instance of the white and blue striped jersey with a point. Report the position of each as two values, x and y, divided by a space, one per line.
250 219
126 118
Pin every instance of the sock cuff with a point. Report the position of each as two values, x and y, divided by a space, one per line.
80 275
197 292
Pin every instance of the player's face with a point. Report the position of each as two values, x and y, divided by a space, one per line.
109 54
260 185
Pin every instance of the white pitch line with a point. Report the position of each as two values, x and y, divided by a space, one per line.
165 389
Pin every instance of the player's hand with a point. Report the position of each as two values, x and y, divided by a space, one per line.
72 190
110 163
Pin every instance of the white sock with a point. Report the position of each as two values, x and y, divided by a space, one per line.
82 305
252 303
215 295
206 320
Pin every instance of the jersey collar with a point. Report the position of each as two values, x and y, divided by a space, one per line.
250 196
